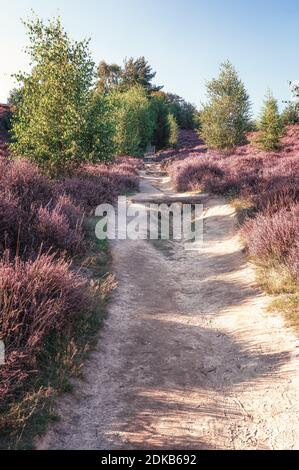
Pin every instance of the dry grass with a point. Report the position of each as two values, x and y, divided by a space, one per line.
243 207
288 305
276 279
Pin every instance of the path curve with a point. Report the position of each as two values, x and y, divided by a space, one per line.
188 358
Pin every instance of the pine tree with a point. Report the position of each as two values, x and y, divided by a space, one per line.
225 118
109 76
133 73
270 124
138 72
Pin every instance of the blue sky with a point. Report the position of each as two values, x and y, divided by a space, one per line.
184 41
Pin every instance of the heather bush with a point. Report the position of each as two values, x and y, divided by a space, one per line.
54 231
193 173
121 175
72 211
41 214
37 298
4 151
270 125
34 214
225 118
280 196
41 296
57 228
123 180
134 163
247 171
12 224
23 181
88 192
271 237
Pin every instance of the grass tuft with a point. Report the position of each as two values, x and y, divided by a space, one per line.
288 305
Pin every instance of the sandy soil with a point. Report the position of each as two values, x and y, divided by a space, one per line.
188 357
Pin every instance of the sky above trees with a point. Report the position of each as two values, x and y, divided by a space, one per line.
184 41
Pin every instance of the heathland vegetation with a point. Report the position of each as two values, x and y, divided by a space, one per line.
67 137
69 146
258 170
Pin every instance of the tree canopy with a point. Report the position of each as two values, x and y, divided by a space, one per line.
133 72
50 118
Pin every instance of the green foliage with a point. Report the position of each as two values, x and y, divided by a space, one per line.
270 125
109 76
252 125
98 136
160 113
290 114
133 121
173 131
15 96
184 112
141 116
197 121
60 119
225 117
50 118
138 72
134 72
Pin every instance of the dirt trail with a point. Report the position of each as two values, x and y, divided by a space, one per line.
188 357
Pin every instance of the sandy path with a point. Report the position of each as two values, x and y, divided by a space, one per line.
188 357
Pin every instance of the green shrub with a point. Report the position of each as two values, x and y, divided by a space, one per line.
133 121
270 125
173 131
98 137
225 118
